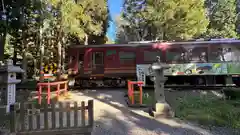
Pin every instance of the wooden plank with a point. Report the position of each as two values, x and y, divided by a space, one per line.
57 109
30 116
76 114
22 116
45 116
63 131
53 105
82 113
90 112
68 115
38 122
61 115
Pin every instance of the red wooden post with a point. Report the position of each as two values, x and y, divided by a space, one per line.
58 88
129 89
132 91
39 94
140 87
48 93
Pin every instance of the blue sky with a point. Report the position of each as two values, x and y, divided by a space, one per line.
115 9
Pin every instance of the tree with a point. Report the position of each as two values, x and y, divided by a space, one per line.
52 24
165 19
222 15
124 32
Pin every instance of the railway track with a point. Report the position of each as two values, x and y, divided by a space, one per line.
173 87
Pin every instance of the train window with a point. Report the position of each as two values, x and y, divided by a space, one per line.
80 60
126 57
221 54
98 58
150 56
80 57
175 55
198 54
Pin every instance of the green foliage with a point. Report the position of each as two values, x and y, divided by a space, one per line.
222 15
165 19
209 111
53 24
232 93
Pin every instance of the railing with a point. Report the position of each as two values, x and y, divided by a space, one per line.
35 119
49 85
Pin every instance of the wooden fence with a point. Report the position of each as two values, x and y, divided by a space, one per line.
54 119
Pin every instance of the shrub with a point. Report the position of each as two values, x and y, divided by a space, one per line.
209 111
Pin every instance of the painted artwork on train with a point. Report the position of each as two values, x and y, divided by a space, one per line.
211 68
233 68
197 69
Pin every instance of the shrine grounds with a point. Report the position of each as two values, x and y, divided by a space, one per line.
207 110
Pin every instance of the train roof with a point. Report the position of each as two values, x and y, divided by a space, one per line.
137 44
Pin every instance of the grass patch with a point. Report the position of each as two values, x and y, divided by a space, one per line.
147 97
207 110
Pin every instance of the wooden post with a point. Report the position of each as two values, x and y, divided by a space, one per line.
90 112
61 115
22 116
13 120
30 116
75 114
53 115
83 113
46 116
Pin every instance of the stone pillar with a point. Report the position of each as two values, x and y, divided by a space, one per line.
8 83
160 107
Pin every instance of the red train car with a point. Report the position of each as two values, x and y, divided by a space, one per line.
113 64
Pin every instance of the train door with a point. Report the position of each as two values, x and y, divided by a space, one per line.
98 63
80 63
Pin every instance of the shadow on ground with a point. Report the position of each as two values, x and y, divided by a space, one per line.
123 121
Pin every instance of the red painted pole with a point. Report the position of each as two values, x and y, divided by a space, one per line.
140 94
58 88
48 94
132 92
39 94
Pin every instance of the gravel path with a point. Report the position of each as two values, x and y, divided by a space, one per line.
112 117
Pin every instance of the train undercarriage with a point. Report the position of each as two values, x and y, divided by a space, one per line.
172 82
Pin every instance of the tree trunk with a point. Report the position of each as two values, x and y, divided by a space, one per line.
24 65
59 46
3 40
86 39
63 55
14 55
24 56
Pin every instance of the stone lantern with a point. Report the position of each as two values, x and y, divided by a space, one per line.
160 106
8 83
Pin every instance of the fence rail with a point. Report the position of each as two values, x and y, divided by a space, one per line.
56 118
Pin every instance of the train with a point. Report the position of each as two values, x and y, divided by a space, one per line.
211 62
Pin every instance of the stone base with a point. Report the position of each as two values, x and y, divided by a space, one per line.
162 110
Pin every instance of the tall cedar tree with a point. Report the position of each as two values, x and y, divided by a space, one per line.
166 19
222 15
